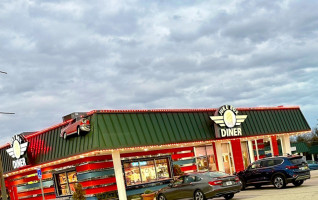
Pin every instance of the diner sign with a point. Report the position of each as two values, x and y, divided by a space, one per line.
227 122
17 149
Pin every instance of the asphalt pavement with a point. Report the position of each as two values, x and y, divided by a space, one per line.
307 191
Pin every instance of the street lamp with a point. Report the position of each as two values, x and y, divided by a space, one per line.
3 186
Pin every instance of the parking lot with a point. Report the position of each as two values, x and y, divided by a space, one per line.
309 190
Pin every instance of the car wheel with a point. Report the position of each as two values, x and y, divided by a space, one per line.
64 136
243 187
198 195
162 197
258 186
78 131
279 181
228 196
298 183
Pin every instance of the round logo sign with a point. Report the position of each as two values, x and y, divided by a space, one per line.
16 149
229 118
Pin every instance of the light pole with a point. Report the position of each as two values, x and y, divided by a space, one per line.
3 186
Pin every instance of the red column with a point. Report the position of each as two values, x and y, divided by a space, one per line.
237 155
274 145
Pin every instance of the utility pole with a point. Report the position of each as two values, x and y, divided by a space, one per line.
3 185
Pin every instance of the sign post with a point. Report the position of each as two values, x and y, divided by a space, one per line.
40 177
3 187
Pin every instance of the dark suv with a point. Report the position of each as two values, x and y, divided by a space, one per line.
278 171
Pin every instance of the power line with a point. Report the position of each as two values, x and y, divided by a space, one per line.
7 113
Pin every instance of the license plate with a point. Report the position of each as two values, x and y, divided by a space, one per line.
304 168
229 183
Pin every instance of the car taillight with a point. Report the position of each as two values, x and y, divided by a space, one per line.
237 179
216 182
292 167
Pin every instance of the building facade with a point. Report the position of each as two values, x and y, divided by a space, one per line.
127 151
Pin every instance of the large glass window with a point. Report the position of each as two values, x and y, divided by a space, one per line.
205 158
146 170
65 183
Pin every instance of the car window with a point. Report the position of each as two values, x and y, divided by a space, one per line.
278 161
310 162
215 174
297 160
179 181
267 163
189 179
256 165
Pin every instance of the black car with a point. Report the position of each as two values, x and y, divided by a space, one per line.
278 171
201 186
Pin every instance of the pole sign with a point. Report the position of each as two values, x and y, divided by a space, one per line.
227 122
39 173
17 151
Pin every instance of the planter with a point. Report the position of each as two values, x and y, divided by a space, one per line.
150 196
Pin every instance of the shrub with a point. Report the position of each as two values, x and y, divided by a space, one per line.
148 191
177 170
79 192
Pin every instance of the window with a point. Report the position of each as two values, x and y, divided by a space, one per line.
189 179
297 161
146 170
278 161
65 183
216 174
205 158
256 165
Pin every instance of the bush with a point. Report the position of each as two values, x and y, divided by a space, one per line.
148 191
79 192
177 170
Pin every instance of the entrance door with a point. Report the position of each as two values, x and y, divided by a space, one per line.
227 158
245 154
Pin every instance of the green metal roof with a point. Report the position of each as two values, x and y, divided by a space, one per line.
120 129
301 147
313 149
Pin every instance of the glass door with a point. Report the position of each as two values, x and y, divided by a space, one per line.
245 154
227 158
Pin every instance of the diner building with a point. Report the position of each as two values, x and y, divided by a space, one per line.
126 152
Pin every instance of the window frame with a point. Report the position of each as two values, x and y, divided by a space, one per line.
56 185
170 168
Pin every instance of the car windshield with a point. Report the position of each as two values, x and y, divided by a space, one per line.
297 161
216 174
311 162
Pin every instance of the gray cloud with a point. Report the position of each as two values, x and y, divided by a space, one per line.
66 56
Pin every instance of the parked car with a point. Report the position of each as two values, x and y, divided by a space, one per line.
278 171
313 165
201 186
76 126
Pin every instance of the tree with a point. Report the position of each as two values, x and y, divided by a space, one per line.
79 193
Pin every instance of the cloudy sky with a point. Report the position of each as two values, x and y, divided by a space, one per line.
66 56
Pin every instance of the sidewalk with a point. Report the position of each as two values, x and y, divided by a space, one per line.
314 174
